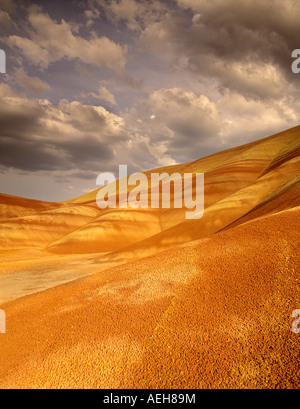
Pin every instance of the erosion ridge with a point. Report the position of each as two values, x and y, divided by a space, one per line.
127 298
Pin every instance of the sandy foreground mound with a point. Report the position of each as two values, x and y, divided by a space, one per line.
147 299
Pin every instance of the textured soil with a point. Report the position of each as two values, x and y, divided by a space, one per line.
146 299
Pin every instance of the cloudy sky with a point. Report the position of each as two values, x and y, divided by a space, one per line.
92 84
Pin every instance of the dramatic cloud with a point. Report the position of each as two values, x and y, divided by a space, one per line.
135 14
35 135
32 84
91 84
258 30
244 118
252 39
186 123
50 41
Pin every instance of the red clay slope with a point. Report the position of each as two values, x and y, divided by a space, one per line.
212 312
209 314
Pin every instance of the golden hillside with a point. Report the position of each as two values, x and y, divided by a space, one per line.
144 298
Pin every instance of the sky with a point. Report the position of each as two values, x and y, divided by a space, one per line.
92 84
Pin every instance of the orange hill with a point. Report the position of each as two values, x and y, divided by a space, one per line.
148 299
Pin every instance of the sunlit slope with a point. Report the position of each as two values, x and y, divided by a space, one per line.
232 207
13 206
110 231
42 227
240 158
230 327
186 303
287 196
212 313
236 180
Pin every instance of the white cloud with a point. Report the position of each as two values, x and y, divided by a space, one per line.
246 119
51 41
178 124
32 84
228 82
104 94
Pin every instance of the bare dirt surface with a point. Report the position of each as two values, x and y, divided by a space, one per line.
146 299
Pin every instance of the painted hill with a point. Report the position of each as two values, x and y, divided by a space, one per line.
148 299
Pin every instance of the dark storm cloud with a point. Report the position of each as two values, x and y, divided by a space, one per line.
16 124
86 153
221 34
29 156
264 30
35 135
145 83
8 5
